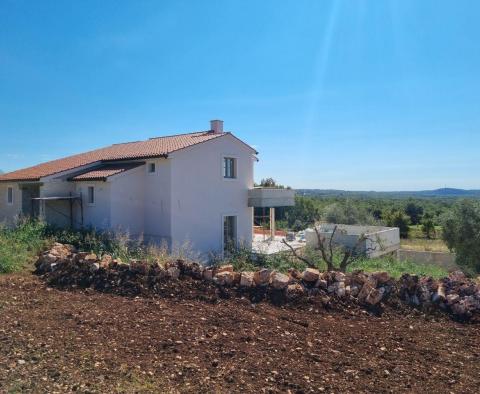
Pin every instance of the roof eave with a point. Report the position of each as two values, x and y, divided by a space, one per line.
19 180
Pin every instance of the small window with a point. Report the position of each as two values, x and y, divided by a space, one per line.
229 233
229 167
10 195
91 195
151 168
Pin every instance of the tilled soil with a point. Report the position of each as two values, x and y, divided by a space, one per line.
84 341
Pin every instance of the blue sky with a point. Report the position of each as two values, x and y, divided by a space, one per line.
358 95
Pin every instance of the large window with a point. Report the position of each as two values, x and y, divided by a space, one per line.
91 195
229 233
229 167
10 195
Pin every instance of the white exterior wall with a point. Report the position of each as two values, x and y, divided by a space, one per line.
380 240
127 201
8 212
201 197
383 242
96 215
158 192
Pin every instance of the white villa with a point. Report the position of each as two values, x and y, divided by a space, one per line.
196 187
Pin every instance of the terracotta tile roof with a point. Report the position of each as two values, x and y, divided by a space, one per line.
154 147
104 171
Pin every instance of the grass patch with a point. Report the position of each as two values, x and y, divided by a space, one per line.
20 245
244 260
424 245
397 268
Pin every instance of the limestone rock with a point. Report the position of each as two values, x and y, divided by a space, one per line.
439 296
106 260
321 284
354 290
225 268
381 277
311 275
280 281
375 296
91 257
173 272
236 278
452 299
366 289
339 276
246 279
262 277
208 274
224 278
340 289
294 273
295 291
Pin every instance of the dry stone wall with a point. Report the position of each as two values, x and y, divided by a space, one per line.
456 294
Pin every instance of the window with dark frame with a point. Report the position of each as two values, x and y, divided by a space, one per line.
229 233
229 170
91 195
151 168
10 195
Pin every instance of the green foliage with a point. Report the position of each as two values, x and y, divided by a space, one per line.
461 233
397 268
347 212
400 220
363 210
19 245
303 214
415 211
428 227
269 182
244 260
118 245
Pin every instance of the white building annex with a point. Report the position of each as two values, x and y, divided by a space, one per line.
194 188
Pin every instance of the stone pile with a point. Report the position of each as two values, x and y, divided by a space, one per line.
455 294
63 266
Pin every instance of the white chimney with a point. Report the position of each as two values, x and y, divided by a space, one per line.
216 126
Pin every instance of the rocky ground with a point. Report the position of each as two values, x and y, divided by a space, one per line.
86 341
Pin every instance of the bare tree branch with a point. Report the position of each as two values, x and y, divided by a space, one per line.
306 261
321 247
327 250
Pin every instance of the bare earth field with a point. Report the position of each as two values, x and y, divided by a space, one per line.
84 341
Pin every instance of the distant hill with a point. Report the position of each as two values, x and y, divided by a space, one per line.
444 192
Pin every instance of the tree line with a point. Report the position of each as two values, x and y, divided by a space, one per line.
458 219
402 213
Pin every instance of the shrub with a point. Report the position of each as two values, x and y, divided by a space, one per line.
400 220
20 244
461 233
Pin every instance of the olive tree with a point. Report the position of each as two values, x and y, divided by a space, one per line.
328 249
461 233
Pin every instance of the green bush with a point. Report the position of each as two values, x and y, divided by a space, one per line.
245 260
19 245
397 268
461 233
